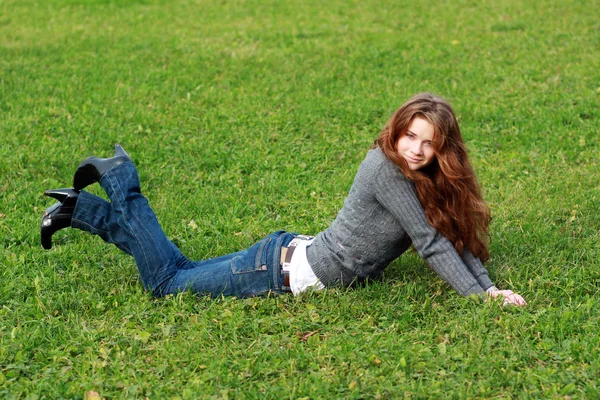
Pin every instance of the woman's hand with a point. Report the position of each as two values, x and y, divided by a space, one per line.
509 296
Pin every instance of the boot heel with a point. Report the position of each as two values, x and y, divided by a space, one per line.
61 194
120 151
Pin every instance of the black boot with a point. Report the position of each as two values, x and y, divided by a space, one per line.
59 215
92 168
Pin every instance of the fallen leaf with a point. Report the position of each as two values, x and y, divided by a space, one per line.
303 336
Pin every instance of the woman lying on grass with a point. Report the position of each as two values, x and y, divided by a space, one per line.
415 187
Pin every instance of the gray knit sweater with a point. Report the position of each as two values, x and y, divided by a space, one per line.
380 219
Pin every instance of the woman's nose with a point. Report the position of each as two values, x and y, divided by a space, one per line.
417 148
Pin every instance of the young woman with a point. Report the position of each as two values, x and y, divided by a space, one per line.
415 187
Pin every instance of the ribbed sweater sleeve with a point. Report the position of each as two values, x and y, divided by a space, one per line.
476 267
397 194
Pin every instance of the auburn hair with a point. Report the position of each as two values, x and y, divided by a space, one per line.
447 188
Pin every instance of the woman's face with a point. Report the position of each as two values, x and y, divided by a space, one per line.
416 145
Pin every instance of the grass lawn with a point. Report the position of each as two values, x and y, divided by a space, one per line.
249 116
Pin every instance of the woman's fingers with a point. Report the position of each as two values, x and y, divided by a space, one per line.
514 299
510 297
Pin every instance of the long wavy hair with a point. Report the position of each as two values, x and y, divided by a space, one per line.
447 188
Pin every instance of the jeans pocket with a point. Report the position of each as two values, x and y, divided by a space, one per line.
253 259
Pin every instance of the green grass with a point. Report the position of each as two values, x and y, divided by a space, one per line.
247 117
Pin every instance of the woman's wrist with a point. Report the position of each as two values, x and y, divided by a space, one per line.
492 289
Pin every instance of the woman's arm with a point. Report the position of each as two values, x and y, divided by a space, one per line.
397 194
476 267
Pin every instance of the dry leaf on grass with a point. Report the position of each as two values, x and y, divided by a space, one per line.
303 336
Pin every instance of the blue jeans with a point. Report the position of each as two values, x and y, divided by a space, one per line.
128 222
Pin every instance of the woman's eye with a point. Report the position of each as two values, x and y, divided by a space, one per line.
428 144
